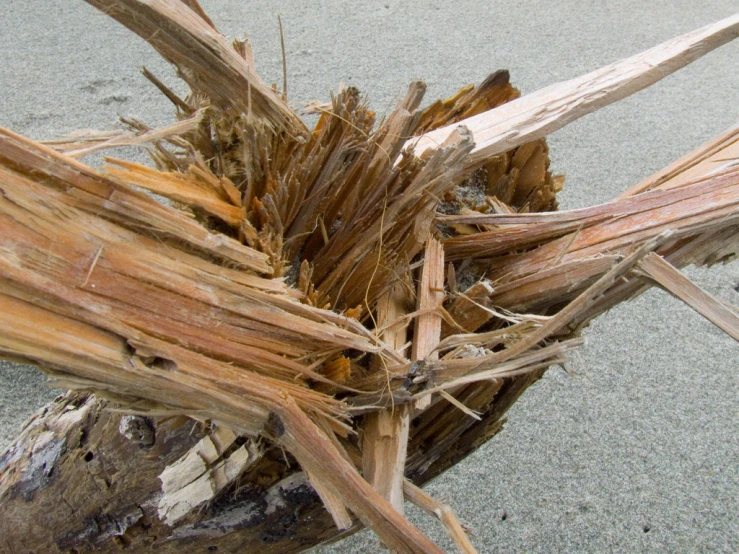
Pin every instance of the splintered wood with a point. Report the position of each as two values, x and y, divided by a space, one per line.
344 312
385 439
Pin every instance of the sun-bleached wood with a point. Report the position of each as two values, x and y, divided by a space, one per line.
674 282
541 113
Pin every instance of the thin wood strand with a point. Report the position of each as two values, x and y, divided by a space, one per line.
443 513
385 439
674 282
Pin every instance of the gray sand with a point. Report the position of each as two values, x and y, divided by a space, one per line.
635 452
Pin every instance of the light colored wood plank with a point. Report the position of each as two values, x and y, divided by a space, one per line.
541 113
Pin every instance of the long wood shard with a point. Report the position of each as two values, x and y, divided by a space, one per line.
543 112
385 439
206 61
669 278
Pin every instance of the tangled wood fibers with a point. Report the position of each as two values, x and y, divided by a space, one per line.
345 311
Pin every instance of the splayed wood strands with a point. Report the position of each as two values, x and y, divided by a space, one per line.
289 331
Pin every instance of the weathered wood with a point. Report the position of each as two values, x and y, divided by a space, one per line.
443 513
541 113
204 59
314 452
430 297
581 244
173 310
79 145
385 432
674 282
104 196
713 157
105 468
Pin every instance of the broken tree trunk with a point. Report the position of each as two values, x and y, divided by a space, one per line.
280 354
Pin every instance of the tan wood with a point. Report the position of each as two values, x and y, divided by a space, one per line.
443 513
385 439
541 113
674 282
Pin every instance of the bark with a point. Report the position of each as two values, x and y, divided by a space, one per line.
104 468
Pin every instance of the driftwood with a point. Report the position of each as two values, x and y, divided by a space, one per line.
282 353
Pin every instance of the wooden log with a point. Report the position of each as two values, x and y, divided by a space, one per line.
106 469
228 345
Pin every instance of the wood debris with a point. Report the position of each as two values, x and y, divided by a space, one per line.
337 314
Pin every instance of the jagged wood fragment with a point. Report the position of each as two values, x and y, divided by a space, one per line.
314 451
103 196
205 60
183 188
575 311
528 230
385 443
443 513
392 227
674 282
715 156
333 504
463 371
470 309
84 143
200 474
234 347
430 296
541 113
701 210
385 438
